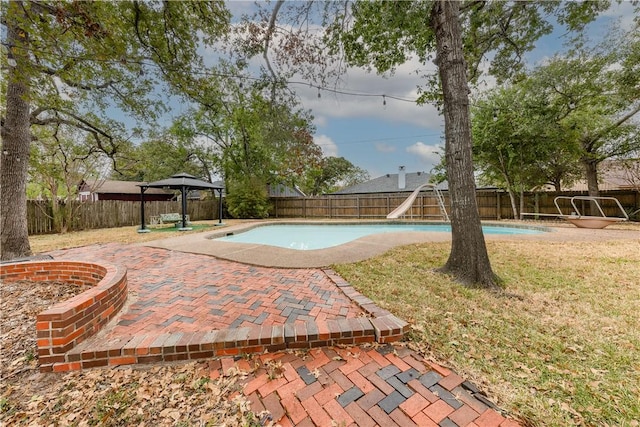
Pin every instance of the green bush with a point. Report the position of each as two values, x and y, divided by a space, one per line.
248 198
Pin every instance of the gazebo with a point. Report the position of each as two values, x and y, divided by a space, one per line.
183 182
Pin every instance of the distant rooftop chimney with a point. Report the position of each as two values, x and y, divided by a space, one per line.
402 181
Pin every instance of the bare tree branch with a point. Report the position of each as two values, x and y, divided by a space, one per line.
267 40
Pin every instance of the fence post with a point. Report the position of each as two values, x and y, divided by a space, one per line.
388 204
498 206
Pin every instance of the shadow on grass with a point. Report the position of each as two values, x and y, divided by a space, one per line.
193 227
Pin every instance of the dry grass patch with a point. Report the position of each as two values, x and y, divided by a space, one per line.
51 242
560 347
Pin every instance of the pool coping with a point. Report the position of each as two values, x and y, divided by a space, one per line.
356 250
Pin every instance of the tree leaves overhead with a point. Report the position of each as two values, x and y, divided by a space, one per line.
386 34
103 54
77 63
564 117
381 34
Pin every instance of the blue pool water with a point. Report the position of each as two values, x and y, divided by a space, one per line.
321 236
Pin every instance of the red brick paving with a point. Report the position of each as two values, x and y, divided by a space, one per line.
292 401
190 306
179 292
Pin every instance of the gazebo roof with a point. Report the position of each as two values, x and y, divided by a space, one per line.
182 180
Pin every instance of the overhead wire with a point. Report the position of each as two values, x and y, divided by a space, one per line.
208 73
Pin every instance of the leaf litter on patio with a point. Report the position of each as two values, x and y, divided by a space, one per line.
167 395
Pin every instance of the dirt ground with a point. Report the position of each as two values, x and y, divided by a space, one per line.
168 395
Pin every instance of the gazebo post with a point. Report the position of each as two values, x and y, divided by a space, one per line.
143 228
220 207
183 191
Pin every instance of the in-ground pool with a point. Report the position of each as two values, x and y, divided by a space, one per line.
321 236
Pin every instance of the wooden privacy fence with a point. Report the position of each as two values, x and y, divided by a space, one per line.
113 213
492 205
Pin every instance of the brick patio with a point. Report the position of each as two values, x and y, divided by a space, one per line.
186 306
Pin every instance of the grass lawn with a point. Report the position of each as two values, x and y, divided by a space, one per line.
560 347
50 242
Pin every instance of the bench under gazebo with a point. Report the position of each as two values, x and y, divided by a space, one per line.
185 183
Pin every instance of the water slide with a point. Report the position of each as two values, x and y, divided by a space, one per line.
406 205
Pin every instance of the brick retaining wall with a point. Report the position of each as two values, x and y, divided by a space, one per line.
62 328
68 323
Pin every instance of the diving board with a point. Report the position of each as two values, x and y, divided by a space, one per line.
590 221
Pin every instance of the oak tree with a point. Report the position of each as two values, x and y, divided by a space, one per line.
457 37
74 62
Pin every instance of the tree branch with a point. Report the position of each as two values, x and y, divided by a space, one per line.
79 123
615 124
267 40
478 5
51 72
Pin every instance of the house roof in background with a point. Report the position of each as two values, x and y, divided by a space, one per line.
612 175
389 184
281 190
120 187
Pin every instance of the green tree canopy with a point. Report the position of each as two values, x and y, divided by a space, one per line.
518 143
332 174
72 62
593 97
558 122
457 37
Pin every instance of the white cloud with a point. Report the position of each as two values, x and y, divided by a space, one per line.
403 84
320 121
429 154
329 148
384 148
340 99
624 12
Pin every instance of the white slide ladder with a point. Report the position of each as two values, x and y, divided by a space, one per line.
443 209
406 205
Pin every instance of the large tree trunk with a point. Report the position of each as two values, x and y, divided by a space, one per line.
591 173
468 261
16 138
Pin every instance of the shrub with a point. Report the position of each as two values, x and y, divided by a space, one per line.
248 198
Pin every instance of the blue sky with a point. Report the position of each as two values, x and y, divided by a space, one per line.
379 138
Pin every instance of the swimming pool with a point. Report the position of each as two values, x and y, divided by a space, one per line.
321 236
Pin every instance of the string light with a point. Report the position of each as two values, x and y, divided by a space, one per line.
205 73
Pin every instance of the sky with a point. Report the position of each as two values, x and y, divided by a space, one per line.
380 134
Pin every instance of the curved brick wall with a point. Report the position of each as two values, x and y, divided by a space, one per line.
70 322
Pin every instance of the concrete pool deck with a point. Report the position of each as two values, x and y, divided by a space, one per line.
360 249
